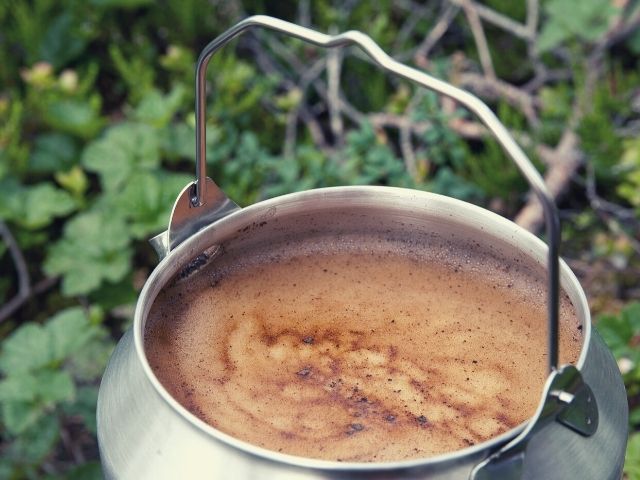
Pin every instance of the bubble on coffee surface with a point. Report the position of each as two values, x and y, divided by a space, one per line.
352 350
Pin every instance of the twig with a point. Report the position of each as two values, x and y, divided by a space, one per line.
24 281
72 447
563 162
406 146
544 76
599 204
304 13
409 25
497 19
567 155
532 22
468 129
334 66
471 12
495 88
435 34
292 118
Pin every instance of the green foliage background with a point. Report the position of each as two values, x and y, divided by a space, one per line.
97 139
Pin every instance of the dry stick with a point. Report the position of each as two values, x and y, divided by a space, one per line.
321 89
24 282
532 22
471 12
268 65
466 128
599 204
406 146
611 213
496 88
72 447
435 34
497 19
334 66
304 13
567 155
409 25
544 76
292 118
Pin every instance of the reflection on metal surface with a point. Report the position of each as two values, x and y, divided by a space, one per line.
186 219
567 399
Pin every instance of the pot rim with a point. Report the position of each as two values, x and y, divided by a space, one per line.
381 194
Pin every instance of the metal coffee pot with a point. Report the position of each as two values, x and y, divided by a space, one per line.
579 430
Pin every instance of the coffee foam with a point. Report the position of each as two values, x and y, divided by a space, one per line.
352 349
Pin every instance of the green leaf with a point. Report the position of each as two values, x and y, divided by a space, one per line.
634 416
42 203
585 21
178 141
157 109
147 199
19 416
37 389
448 183
112 295
68 332
89 362
618 331
124 4
629 188
35 206
139 141
78 117
84 407
632 458
11 193
551 36
53 152
20 387
94 247
633 42
86 471
75 181
26 349
63 41
124 149
113 165
54 386
35 443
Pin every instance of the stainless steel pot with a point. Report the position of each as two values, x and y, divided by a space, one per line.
579 430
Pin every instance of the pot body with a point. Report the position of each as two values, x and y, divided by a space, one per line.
144 433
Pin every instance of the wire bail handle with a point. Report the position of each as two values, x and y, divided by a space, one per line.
198 190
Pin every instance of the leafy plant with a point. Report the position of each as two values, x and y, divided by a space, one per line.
45 370
630 186
586 20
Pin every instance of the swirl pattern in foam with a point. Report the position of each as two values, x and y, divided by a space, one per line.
357 350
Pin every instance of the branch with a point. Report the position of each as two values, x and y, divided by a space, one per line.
436 33
563 162
567 156
24 282
406 147
292 118
494 88
417 13
497 19
334 66
471 12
